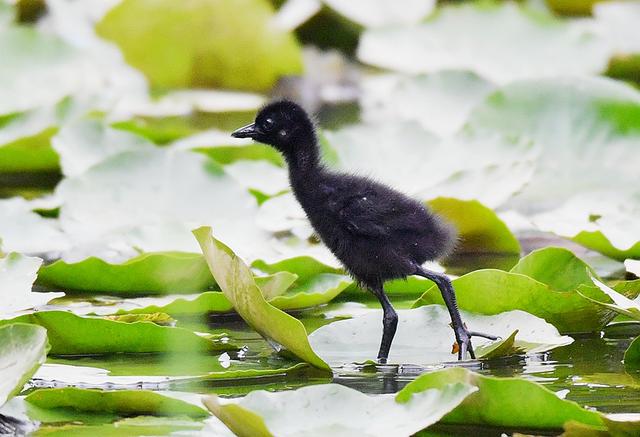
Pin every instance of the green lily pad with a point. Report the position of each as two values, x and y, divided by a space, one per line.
149 273
621 304
23 348
74 335
223 44
522 44
320 409
548 283
17 274
502 402
120 402
424 336
237 283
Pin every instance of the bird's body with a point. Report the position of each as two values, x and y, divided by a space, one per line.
376 232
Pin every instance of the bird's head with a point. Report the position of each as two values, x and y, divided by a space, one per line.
283 125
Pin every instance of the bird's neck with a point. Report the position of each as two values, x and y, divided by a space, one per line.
304 165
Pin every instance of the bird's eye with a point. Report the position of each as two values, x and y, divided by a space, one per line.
283 133
268 124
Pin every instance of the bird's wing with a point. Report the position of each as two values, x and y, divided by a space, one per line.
374 214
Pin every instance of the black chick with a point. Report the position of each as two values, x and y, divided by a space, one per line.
376 232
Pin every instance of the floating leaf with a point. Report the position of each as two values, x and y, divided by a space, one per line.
107 218
424 335
237 283
223 44
521 44
502 402
120 402
23 348
85 142
74 335
319 409
149 273
632 354
545 283
440 102
578 124
22 230
17 273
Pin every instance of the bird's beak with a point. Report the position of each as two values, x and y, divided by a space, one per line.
248 131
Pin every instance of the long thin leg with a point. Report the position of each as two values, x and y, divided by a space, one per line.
389 323
463 336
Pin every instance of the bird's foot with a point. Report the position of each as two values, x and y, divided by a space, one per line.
382 360
463 341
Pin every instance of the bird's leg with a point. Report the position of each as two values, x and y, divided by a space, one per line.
389 323
463 335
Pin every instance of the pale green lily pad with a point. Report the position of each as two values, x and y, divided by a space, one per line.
22 230
85 142
120 402
424 336
149 273
545 283
223 44
335 409
237 283
502 402
23 348
579 124
17 274
521 44
440 102
108 219
70 334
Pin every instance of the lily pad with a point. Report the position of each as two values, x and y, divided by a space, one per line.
108 219
502 402
22 230
548 283
120 402
74 335
17 274
521 44
621 304
85 142
237 283
23 348
440 102
595 119
335 409
223 44
424 336
149 273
